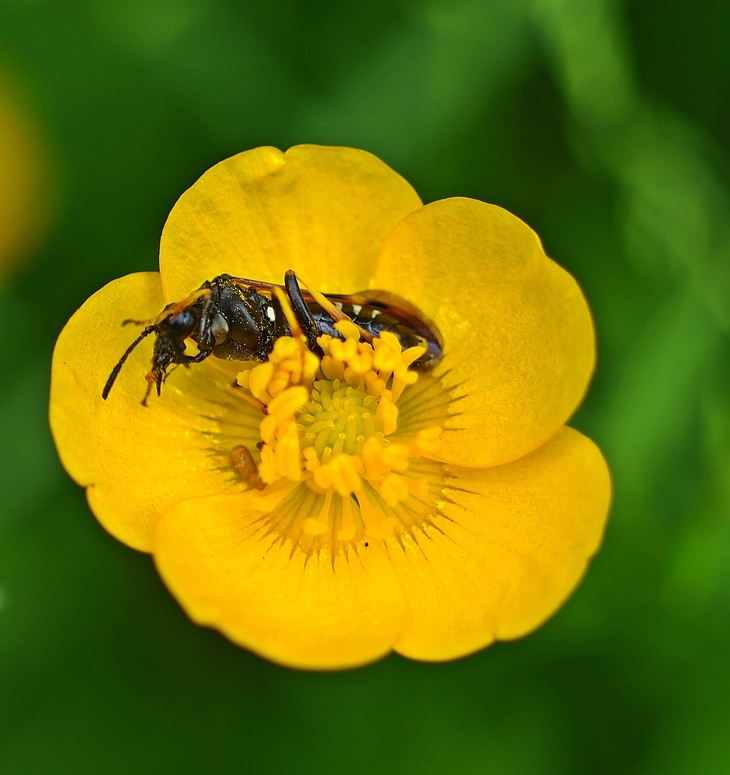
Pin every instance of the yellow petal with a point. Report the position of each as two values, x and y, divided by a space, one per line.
294 607
321 211
512 544
138 460
518 336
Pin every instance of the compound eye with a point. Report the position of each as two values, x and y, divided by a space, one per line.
183 322
219 329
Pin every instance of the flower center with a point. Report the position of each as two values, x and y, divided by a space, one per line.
331 424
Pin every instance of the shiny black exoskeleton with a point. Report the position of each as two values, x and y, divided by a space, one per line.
237 319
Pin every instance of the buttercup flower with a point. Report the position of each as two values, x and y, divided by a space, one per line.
325 507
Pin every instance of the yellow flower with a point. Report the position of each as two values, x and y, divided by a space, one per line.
427 514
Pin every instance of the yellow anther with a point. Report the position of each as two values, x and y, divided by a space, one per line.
361 362
279 382
401 379
259 378
267 430
387 352
311 461
267 466
310 364
349 330
288 403
396 456
394 489
410 355
287 455
354 378
290 363
343 350
428 441
372 458
332 368
384 360
284 347
376 385
388 413
345 472
388 340
322 477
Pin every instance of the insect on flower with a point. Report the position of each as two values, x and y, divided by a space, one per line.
332 503
237 319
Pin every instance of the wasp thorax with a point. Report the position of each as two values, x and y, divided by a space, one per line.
331 423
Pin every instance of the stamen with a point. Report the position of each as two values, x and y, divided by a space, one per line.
332 424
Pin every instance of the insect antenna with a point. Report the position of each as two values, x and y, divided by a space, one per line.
171 371
115 371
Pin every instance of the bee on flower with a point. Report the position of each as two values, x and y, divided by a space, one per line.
328 489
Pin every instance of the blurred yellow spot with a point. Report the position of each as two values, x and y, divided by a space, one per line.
24 180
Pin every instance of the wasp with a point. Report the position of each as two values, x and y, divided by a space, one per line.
237 319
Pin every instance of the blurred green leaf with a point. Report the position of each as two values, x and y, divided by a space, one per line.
427 78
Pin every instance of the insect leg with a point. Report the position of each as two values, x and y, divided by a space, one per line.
255 402
289 314
197 358
301 310
204 329
328 306
152 379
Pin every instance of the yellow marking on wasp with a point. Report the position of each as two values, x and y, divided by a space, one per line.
289 314
332 309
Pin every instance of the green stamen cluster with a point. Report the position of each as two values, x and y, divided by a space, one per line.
338 419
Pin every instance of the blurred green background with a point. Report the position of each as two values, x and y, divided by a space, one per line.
606 126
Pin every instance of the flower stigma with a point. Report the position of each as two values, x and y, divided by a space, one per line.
331 426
